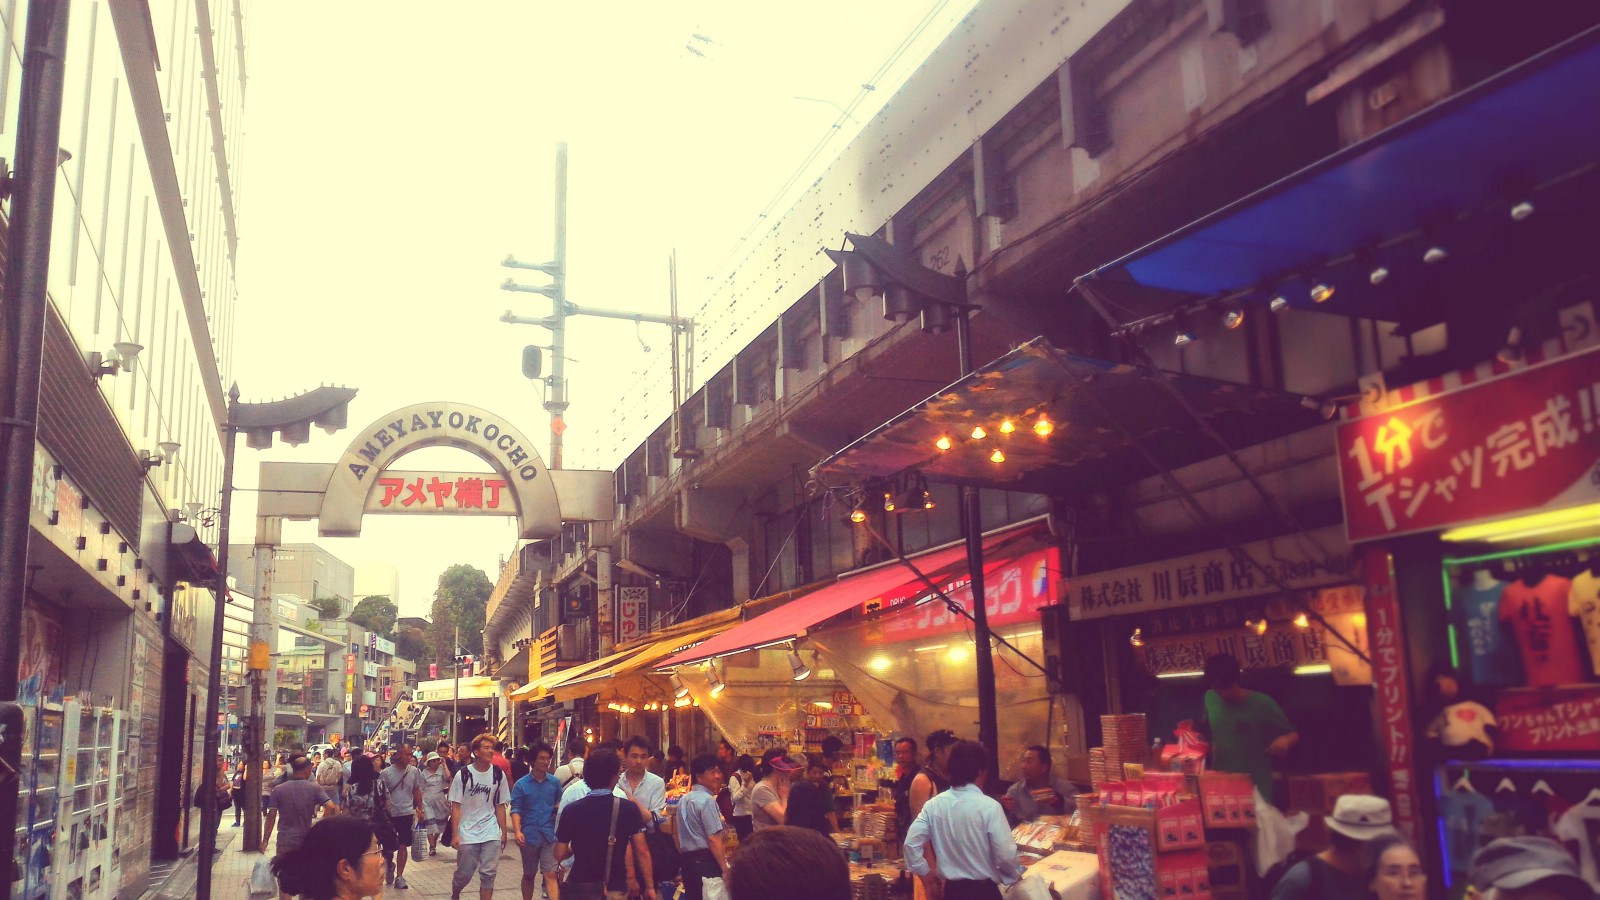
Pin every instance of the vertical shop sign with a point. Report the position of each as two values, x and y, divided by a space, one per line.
633 613
1391 679
349 683
1524 441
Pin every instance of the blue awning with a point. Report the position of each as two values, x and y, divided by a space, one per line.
1445 177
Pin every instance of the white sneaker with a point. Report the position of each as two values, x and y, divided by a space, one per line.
400 883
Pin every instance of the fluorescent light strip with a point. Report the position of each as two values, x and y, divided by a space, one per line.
1527 526
1317 669
1180 674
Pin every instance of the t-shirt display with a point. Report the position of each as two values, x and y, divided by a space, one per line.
1584 604
479 793
1491 654
1579 829
1546 636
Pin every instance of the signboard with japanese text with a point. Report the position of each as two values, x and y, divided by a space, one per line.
1013 593
1390 679
1524 441
1298 561
1550 720
436 493
633 613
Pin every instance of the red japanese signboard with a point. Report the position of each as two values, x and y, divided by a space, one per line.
1013 593
441 492
1513 443
1391 683
633 613
1545 720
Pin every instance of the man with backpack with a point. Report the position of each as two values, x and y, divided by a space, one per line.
479 798
331 773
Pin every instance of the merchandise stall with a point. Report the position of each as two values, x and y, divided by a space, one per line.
1502 696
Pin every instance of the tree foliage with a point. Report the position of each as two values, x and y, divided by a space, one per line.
460 601
326 607
376 613
412 644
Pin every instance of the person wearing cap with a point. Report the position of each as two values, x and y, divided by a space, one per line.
1340 872
435 799
1527 868
769 801
1248 728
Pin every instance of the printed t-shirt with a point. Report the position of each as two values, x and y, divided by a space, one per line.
763 795
402 789
1240 735
583 827
296 801
1545 634
1464 812
478 801
1584 603
1580 826
1492 657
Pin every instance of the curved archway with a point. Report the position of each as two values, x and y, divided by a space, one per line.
490 437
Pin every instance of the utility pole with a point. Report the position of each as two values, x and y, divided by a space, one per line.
455 697
32 216
556 398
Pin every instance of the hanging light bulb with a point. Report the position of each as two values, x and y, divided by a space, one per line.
1521 211
998 456
943 443
679 689
1302 621
1435 254
978 433
927 499
1279 303
1233 319
888 501
1378 275
1321 291
715 681
1137 638
858 515
1006 427
1043 427
798 670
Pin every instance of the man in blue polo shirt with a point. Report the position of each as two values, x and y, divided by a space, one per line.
533 822
700 828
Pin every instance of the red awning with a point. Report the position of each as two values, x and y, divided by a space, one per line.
793 619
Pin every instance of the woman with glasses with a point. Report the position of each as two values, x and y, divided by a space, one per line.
341 859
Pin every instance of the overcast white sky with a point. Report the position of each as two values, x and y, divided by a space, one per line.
394 155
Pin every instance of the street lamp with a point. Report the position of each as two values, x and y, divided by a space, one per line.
908 289
328 408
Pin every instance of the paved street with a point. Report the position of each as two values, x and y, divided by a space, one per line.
429 878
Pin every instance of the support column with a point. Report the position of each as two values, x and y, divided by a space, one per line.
605 610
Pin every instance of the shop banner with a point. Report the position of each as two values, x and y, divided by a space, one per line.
1391 681
633 613
1516 443
1549 720
1299 561
1013 593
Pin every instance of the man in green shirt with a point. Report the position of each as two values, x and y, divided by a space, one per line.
1248 728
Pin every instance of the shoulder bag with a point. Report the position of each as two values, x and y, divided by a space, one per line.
596 890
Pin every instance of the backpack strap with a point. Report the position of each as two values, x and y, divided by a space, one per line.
611 844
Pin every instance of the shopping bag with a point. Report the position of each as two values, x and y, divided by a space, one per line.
419 844
261 883
713 889
1031 887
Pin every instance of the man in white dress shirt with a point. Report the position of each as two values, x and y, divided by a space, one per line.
967 832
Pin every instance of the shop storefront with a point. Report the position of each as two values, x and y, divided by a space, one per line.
1496 554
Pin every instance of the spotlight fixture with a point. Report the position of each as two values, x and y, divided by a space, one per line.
1327 408
858 515
927 499
1257 627
1006 427
1279 303
1321 291
978 433
715 680
1435 254
169 449
1185 334
797 668
1233 318
1512 351
1137 638
120 359
1043 427
943 443
1378 275
1521 211
998 456
679 689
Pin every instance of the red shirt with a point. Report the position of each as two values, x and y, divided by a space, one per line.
1544 631
503 763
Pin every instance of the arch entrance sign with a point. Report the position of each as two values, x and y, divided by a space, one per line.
363 480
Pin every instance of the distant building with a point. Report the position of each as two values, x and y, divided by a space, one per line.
303 570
